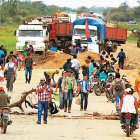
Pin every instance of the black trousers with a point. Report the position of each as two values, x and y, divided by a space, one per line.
108 50
121 64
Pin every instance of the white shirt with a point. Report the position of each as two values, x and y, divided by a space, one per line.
109 43
128 104
76 63
10 65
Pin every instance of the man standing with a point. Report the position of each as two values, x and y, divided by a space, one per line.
49 75
25 48
119 88
28 67
44 96
69 87
121 57
109 44
11 74
76 63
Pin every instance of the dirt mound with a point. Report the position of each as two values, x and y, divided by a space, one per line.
81 57
56 60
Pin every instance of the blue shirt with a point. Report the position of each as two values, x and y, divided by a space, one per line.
91 68
54 49
121 53
1 52
103 76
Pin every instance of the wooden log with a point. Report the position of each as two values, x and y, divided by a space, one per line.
23 98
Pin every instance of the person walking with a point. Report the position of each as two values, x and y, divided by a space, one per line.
69 87
28 67
11 74
59 85
121 57
20 61
118 88
49 75
44 96
25 48
85 88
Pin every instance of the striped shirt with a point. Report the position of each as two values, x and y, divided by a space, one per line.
45 95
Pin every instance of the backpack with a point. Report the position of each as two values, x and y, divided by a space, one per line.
53 108
118 87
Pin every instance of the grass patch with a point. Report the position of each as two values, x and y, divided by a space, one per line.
125 25
132 39
7 37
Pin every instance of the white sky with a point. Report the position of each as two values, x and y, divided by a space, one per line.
88 3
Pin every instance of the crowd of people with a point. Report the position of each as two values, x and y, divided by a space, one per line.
70 83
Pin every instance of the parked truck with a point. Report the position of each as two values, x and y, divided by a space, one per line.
35 35
60 34
99 33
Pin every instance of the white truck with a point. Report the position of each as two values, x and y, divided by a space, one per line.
79 33
35 35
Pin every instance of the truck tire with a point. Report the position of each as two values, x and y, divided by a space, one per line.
67 44
114 47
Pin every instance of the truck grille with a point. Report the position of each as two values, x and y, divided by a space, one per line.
84 42
31 42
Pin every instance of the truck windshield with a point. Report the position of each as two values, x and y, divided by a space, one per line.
30 33
82 32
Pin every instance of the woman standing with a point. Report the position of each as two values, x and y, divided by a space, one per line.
11 74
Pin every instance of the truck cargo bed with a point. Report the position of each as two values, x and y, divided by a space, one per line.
118 34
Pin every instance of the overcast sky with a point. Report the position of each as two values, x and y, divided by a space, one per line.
88 3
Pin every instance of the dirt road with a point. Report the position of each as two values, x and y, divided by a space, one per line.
25 127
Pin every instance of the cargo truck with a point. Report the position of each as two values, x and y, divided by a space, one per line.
60 34
99 33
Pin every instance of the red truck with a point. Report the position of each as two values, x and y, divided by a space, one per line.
60 34
117 36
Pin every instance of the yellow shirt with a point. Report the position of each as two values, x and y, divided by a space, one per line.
50 73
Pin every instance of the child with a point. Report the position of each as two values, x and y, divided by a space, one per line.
85 88
1 76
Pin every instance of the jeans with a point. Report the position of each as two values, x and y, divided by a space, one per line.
84 98
108 50
28 70
61 96
118 97
41 106
68 98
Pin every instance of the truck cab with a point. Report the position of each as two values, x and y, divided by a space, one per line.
79 33
35 35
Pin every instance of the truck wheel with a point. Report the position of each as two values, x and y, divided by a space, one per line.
114 47
67 43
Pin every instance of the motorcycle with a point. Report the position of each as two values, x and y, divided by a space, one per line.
5 119
99 87
129 126
109 94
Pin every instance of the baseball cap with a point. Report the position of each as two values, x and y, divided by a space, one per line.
128 90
